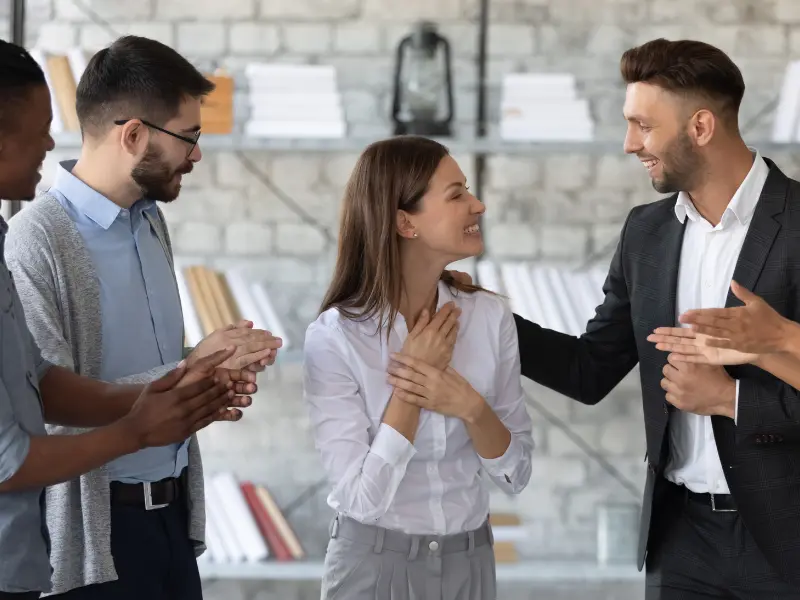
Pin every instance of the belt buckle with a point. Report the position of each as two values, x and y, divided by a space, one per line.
714 506
148 498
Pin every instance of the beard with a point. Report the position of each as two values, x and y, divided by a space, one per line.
681 165
155 177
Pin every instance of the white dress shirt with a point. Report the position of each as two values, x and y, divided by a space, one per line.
708 259
436 485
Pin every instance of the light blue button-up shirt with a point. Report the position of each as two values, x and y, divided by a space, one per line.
139 303
24 539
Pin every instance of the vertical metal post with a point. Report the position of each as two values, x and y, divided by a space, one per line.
17 37
480 117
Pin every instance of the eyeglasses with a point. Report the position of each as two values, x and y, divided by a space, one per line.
192 141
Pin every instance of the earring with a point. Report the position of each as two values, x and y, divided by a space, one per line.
415 234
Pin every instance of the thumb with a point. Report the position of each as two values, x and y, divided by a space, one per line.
742 293
168 381
424 317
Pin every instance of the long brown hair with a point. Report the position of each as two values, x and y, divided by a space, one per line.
390 175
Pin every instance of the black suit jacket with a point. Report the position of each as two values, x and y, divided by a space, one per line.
762 470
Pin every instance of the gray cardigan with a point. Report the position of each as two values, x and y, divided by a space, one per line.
58 287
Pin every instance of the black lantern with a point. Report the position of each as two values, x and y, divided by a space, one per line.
423 83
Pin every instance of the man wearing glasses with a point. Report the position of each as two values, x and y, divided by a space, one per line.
93 264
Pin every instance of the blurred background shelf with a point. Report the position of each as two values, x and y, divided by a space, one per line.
240 142
525 571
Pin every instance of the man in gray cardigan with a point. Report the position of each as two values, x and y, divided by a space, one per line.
93 261
125 418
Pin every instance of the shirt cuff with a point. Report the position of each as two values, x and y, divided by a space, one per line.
42 368
14 448
736 405
392 446
504 466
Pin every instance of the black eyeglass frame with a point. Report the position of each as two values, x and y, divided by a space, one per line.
191 141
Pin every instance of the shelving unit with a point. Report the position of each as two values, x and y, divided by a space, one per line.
525 571
482 146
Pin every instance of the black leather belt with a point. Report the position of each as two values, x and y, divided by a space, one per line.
147 495
717 502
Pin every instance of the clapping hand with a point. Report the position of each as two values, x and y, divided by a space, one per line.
755 328
241 381
685 345
254 349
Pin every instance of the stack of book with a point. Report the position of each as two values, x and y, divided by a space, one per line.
294 101
786 123
506 529
543 107
245 525
212 299
62 73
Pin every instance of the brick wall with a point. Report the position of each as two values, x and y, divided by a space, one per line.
558 207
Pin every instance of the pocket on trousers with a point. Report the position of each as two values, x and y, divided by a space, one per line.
346 572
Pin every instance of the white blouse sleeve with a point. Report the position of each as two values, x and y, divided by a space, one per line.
365 473
511 471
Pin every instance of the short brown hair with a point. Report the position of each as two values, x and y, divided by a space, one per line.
135 78
686 67
390 175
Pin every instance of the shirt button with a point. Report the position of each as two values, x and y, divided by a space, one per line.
434 546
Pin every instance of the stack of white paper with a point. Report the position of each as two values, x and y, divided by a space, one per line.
786 126
294 101
543 107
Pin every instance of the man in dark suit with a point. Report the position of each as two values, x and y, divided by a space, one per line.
721 508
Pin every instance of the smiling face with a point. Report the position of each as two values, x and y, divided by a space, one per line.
24 143
661 134
447 221
160 170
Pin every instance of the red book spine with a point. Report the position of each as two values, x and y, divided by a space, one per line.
265 524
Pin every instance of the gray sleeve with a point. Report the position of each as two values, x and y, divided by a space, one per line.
14 442
26 257
148 376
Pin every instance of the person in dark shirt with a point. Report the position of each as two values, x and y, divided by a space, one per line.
123 418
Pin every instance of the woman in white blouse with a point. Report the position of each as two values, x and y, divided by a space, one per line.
413 385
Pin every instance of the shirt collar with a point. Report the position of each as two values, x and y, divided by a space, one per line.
88 201
744 201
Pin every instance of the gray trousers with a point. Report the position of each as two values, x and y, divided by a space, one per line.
365 562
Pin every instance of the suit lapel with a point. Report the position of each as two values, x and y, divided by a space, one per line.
763 230
672 241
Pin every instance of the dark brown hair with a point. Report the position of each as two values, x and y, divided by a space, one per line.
687 67
136 78
390 175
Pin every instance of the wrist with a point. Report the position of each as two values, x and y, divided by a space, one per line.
728 407
475 408
129 434
790 336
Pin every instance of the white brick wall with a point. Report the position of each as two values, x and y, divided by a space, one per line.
559 207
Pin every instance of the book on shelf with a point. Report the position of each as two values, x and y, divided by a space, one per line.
786 123
214 298
294 101
543 107
245 525
506 529
63 71
216 110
